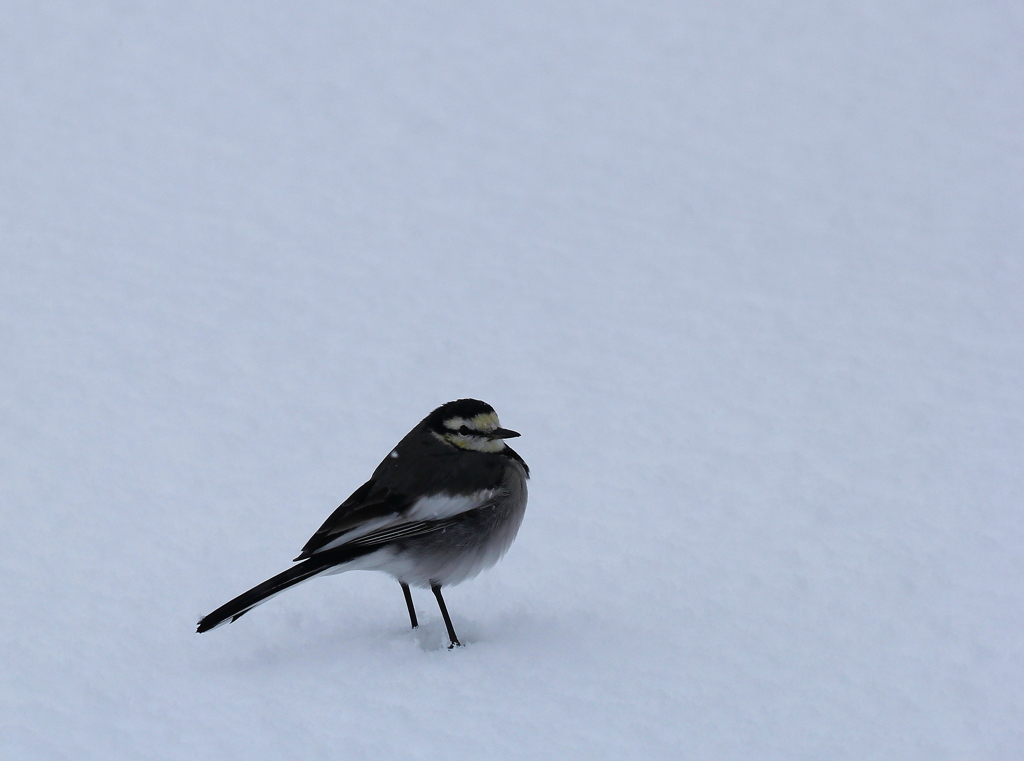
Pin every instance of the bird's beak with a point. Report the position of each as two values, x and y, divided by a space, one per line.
503 433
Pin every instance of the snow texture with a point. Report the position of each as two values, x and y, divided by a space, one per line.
748 277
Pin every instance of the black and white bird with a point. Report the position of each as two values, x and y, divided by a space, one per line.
445 504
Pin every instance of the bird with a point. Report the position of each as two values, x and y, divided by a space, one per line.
445 504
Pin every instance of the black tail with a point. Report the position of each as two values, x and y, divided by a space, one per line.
232 611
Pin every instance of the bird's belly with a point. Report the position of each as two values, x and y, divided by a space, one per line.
463 550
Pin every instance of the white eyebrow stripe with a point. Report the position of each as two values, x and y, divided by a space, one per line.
438 506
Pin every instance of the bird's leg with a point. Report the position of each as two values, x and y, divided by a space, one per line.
436 589
408 601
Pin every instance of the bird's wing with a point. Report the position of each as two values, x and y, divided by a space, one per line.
371 506
436 507
375 514
403 531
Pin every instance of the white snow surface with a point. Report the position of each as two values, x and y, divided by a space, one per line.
748 277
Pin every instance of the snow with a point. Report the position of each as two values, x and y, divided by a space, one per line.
748 278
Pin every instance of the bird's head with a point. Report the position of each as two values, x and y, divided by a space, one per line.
468 424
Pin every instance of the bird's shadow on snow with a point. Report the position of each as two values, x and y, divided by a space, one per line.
313 642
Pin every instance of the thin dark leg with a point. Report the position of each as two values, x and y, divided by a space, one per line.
408 601
436 589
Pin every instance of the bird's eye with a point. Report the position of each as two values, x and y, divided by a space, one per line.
465 431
